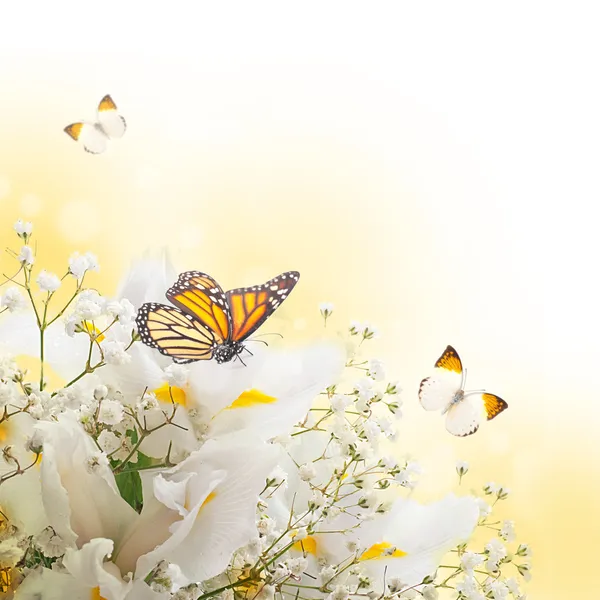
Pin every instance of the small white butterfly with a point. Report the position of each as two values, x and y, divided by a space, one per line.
95 136
445 391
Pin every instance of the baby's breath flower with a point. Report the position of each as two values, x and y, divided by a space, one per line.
108 441
326 309
507 532
115 354
11 552
307 472
341 592
111 412
462 467
47 281
80 263
296 566
523 550
96 462
50 543
327 573
177 375
497 589
470 561
495 550
484 508
430 592
23 228
395 584
376 369
26 256
339 402
12 299
122 310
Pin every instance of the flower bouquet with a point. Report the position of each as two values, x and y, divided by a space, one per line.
151 451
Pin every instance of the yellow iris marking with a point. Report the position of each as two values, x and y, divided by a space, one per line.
251 398
95 594
308 545
178 394
381 550
209 498
91 328
4 431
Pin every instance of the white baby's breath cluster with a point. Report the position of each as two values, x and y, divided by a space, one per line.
126 476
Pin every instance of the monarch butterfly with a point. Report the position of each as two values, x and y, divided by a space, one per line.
445 391
206 322
94 136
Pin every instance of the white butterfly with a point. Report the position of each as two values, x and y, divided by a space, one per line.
445 391
95 136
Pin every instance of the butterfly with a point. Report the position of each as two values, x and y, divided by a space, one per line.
205 322
95 136
444 390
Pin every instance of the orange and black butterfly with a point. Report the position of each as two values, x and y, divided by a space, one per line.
205 322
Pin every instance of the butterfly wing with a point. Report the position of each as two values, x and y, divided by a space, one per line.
109 119
465 417
174 333
92 138
252 306
200 296
437 391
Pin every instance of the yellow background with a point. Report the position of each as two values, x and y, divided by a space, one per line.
431 168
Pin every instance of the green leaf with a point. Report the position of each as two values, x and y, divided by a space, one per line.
130 488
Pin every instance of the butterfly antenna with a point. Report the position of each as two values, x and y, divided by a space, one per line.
270 333
251 340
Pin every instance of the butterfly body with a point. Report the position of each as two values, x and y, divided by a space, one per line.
445 391
94 136
205 322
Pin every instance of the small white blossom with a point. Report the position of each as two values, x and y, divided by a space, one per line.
513 586
395 584
51 544
364 389
462 467
11 552
96 463
26 256
47 281
496 550
524 550
122 310
12 299
307 472
115 354
327 573
484 508
376 369
177 375
23 228
108 441
498 590
470 560
339 402
111 412
430 592
80 263
507 532
326 309
341 592
296 566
